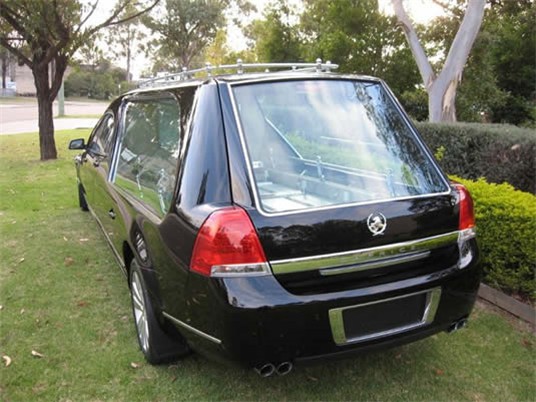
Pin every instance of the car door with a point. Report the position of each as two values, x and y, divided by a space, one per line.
94 156
108 206
145 177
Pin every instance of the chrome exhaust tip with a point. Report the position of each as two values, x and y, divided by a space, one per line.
462 323
265 370
284 368
457 325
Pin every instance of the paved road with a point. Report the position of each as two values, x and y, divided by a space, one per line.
18 118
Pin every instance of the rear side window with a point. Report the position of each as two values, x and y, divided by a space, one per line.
149 151
317 143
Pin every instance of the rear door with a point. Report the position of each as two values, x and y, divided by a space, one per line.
346 194
144 185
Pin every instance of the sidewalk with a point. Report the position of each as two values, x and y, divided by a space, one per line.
31 126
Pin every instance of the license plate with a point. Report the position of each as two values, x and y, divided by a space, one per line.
383 318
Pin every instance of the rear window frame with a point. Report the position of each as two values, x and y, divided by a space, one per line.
396 104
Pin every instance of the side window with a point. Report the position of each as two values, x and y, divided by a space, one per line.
149 151
101 139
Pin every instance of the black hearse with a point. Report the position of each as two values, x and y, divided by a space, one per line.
270 218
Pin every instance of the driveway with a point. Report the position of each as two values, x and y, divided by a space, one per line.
21 117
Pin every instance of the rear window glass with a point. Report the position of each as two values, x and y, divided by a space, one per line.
317 143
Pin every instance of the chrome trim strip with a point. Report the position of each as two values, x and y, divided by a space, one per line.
249 164
377 264
433 297
192 329
349 259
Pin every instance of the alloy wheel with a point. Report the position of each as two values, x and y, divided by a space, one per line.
140 311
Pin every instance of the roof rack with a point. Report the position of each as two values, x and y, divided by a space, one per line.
240 68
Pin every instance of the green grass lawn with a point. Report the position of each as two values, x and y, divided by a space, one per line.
63 296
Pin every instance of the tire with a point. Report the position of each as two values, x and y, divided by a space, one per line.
82 199
157 345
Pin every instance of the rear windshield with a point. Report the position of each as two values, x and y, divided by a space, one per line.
318 143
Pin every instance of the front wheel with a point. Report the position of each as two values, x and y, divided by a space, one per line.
157 346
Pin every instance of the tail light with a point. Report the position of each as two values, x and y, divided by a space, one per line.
227 245
466 225
467 214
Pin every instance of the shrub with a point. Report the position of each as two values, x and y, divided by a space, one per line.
506 227
500 153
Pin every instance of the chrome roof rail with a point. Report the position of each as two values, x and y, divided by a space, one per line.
240 67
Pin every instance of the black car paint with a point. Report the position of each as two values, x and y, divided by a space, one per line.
257 319
260 321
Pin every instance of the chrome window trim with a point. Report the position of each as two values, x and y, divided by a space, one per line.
249 164
367 258
433 297
191 329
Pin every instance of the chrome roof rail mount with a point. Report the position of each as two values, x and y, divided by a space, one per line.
240 67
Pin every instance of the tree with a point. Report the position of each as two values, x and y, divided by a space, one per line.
90 53
218 53
98 81
356 35
183 28
51 31
442 88
513 54
499 78
125 36
275 38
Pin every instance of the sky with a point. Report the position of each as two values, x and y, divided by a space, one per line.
421 11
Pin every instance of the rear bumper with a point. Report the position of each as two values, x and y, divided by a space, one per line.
255 320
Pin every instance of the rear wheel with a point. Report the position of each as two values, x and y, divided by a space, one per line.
82 199
156 345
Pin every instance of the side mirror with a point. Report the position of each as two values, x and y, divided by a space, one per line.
77 144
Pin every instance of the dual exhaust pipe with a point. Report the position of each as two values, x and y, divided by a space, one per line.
268 369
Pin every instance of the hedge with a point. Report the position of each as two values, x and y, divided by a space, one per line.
498 152
506 228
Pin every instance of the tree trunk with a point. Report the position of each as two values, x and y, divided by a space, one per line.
47 144
129 51
4 68
442 88
129 56
442 101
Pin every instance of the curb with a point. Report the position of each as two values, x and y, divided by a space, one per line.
508 303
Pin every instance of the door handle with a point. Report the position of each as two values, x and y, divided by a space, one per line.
111 213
